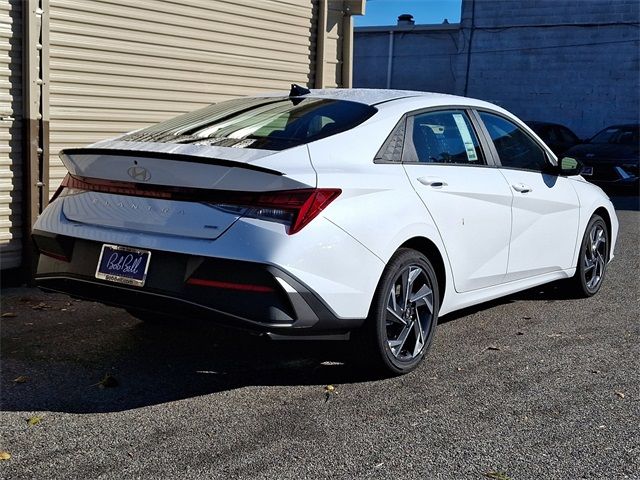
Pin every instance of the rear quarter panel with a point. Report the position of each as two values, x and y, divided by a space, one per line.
378 206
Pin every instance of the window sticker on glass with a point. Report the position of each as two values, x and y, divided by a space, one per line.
466 137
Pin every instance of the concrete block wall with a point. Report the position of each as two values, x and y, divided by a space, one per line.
422 60
575 62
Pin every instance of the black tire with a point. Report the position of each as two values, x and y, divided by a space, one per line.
381 324
592 263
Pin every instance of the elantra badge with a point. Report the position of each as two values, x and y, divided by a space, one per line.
139 174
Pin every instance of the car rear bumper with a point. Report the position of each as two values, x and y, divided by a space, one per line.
231 293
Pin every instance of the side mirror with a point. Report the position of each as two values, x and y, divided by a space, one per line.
569 166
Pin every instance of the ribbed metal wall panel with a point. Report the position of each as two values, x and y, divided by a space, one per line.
10 132
117 65
333 45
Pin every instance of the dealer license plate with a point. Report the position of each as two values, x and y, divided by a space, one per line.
123 265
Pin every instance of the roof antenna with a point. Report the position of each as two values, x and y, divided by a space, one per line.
298 91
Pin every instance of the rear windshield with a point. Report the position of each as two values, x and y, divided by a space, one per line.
261 123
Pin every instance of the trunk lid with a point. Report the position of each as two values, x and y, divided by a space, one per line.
174 189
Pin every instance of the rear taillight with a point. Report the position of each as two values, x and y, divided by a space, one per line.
79 184
295 208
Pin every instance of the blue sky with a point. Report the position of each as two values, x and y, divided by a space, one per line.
385 12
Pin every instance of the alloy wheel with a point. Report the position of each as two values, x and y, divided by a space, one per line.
595 253
409 313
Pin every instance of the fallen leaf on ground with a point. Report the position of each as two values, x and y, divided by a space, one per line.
328 391
619 393
4 455
35 420
20 379
496 475
492 347
109 381
519 333
9 315
526 318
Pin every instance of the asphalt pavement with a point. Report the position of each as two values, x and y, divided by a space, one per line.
534 386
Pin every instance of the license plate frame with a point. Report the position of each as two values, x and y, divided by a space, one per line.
118 269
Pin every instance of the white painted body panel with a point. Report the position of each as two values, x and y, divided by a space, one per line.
592 198
150 215
472 210
545 224
342 253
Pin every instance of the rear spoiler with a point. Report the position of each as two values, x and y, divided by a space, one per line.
67 154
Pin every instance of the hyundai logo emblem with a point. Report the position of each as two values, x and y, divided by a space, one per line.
139 174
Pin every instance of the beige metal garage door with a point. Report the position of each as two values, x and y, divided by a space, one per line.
116 65
10 132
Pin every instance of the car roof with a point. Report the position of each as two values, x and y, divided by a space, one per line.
376 96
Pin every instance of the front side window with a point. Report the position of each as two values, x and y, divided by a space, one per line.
445 137
270 123
515 148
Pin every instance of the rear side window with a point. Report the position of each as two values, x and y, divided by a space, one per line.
515 148
445 137
272 123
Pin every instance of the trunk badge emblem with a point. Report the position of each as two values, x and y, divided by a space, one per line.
140 174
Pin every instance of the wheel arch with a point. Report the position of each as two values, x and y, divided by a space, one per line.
604 213
431 251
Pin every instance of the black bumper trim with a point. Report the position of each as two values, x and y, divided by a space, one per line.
168 305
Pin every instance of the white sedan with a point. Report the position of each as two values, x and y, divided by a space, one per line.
324 214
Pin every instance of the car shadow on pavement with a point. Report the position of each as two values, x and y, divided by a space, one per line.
52 361
549 292
82 357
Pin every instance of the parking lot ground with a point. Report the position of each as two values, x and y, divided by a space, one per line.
533 386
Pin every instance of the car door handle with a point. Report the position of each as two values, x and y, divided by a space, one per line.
432 182
522 188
